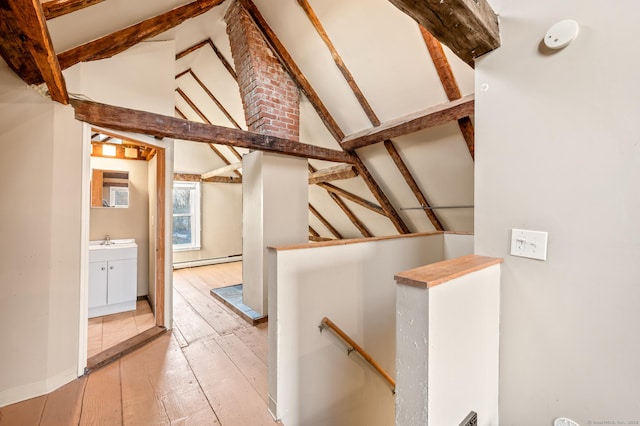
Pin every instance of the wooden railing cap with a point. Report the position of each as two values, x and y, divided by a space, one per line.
437 273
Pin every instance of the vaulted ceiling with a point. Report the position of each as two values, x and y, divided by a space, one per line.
376 85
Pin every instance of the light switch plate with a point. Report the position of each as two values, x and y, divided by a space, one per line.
531 244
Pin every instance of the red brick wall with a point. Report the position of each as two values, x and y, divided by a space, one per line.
270 98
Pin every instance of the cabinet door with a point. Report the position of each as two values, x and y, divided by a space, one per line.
97 284
122 281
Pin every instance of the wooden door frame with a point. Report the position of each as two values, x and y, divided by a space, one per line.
163 253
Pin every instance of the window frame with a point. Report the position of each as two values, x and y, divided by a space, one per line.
195 192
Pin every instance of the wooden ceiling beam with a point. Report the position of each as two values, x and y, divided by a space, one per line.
411 123
305 87
26 46
343 171
188 177
223 179
362 100
222 170
149 123
332 189
55 8
119 41
209 42
325 222
417 192
468 27
224 60
449 84
352 217
319 239
180 114
214 100
191 49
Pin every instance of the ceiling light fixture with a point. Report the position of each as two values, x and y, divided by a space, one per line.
109 150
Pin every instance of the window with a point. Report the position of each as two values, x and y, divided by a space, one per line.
118 197
186 215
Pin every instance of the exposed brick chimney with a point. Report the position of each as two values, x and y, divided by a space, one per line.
271 99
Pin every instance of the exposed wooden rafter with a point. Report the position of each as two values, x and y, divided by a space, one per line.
25 45
325 222
223 179
55 8
417 192
449 84
187 177
357 222
214 100
343 171
315 237
119 41
303 84
191 49
222 170
204 118
362 100
209 42
429 117
180 114
332 189
137 121
468 27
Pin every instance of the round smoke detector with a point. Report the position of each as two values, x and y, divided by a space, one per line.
561 34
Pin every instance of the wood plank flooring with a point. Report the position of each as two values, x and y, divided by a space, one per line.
109 330
211 370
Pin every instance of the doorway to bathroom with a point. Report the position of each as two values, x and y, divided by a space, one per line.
126 208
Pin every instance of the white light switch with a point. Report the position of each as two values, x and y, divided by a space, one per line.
531 244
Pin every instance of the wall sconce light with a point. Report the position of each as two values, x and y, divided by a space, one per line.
109 150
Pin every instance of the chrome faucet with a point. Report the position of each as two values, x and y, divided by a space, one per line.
107 241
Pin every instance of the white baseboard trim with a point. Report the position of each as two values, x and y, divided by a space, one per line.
205 262
31 390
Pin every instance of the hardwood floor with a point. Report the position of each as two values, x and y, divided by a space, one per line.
211 370
109 330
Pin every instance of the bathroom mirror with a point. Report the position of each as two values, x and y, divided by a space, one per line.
109 188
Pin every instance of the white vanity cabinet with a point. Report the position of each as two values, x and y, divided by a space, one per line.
112 278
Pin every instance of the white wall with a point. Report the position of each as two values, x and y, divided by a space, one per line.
141 77
457 245
132 222
311 379
275 194
557 150
40 212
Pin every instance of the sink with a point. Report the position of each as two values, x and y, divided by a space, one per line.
118 249
115 244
